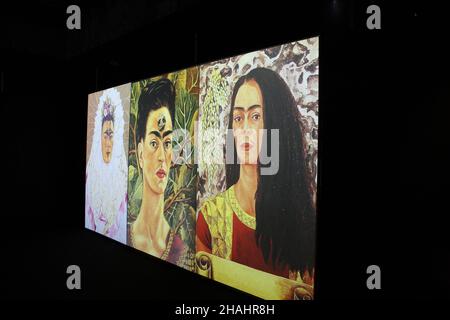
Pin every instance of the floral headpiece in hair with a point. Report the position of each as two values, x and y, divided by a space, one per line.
108 109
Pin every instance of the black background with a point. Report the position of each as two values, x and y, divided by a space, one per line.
384 149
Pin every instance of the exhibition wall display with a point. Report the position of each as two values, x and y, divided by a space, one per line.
214 168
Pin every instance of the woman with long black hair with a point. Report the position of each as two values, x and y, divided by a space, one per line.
264 221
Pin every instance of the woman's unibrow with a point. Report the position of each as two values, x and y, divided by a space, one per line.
248 109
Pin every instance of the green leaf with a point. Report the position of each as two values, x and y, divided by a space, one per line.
131 172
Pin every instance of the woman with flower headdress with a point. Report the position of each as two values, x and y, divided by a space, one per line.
106 170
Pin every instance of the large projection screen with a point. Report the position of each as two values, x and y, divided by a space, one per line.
214 168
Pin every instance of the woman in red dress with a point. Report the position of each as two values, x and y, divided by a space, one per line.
265 219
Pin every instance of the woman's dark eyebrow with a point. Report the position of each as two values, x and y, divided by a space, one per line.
167 133
249 108
158 134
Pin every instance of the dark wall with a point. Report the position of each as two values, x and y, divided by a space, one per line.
383 138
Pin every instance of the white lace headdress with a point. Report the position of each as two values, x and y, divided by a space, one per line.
106 184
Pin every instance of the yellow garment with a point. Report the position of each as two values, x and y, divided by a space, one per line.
218 213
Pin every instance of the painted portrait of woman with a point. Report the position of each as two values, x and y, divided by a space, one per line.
106 170
160 209
263 221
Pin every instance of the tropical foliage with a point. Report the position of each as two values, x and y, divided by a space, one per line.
180 194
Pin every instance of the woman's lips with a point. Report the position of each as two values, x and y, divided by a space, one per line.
161 173
246 146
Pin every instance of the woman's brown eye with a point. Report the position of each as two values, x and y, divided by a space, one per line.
237 118
256 116
153 144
